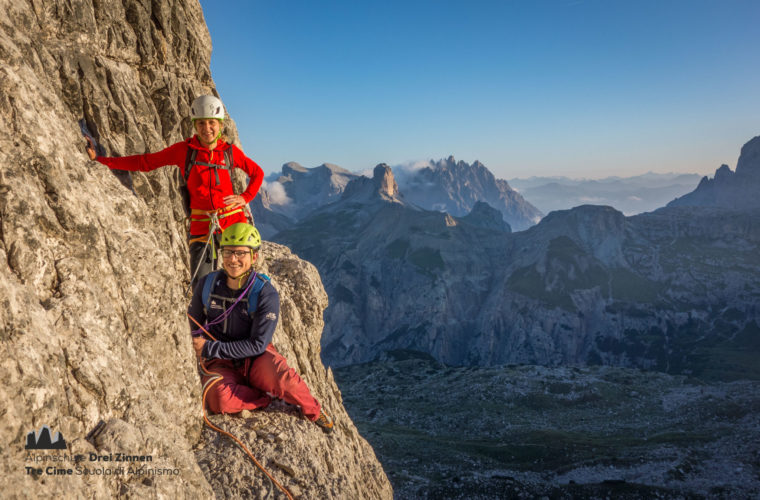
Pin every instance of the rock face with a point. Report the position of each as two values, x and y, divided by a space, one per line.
674 290
455 186
92 275
727 189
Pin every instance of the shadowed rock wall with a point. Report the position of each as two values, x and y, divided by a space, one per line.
92 275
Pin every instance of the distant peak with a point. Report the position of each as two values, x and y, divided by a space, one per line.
724 172
336 169
749 159
451 162
384 180
484 215
293 166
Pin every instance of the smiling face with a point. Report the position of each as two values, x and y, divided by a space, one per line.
237 260
208 130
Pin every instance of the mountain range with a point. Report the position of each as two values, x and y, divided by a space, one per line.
455 186
630 195
450 186
676 289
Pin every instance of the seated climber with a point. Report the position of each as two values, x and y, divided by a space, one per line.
239 308
206 161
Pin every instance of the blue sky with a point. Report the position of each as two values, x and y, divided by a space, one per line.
583 88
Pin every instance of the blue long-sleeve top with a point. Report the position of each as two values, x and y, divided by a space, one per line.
239 336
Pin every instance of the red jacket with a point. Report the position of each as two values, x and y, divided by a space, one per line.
205 194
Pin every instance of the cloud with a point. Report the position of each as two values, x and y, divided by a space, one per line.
405 171
591 199
413 166
277 194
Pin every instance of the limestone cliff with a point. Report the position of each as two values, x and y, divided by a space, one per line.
92 274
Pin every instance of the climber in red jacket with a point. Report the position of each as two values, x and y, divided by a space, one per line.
205 161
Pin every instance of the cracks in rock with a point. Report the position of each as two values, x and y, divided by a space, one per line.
42 168
122 312
99 393
14 122
3 194
57 282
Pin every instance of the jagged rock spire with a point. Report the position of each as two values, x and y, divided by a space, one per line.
384 181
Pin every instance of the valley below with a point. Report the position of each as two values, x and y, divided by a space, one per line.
525 431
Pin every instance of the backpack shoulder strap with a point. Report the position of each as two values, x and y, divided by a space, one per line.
228 158
208 287
253 296
189 160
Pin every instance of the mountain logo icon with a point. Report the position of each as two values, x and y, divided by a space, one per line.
41 440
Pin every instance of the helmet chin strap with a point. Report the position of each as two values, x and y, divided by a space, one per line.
242 278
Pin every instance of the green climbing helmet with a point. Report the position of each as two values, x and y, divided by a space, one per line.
241 234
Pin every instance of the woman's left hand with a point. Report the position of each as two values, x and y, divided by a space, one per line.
198 343
234 201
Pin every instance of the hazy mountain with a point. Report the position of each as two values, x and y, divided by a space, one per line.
675 290
454 187
630 195
267 220
297 190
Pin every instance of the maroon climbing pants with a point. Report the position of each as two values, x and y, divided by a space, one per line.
250 385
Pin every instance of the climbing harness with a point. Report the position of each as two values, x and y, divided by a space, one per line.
215 377
197 215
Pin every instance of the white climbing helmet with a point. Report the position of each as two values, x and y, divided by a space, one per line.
207 106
